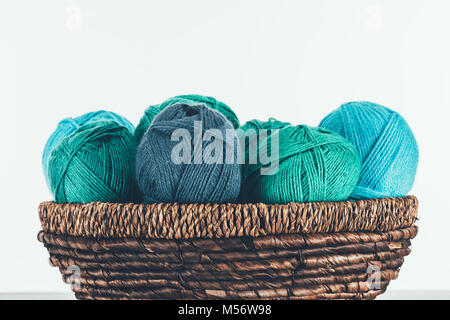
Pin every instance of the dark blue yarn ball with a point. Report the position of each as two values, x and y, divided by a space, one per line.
174 165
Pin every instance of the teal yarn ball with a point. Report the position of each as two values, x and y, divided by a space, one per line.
193 99
95 163
198 166
69 125
270 124
313 164
385 143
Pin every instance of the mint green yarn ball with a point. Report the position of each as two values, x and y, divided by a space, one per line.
95 163
190 99
313 164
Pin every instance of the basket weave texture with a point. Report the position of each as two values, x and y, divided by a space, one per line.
329 250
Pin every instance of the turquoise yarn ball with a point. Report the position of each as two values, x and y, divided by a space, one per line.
95 163
314 164
385 143
69 125
192 99
192 167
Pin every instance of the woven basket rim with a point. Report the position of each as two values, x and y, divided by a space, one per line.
189 221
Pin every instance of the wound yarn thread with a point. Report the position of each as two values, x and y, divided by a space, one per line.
95 163
160 179
385 143
193 99
69 125
314 165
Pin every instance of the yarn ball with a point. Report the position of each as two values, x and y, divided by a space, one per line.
95 163
152 111
198 177
385 143
70 125
270 124
313 165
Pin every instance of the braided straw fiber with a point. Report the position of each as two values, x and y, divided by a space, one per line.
234 251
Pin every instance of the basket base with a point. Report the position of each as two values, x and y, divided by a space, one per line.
318 266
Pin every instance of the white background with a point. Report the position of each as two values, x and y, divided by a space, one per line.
293 60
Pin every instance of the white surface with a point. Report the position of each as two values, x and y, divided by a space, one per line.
415 295
37 296
293 60
389 295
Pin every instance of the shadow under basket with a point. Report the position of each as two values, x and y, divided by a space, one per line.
327 250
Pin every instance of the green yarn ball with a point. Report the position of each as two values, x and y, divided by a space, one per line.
314 164
270 124
190 99
95 163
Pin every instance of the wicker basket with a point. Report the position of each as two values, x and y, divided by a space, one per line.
330 250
